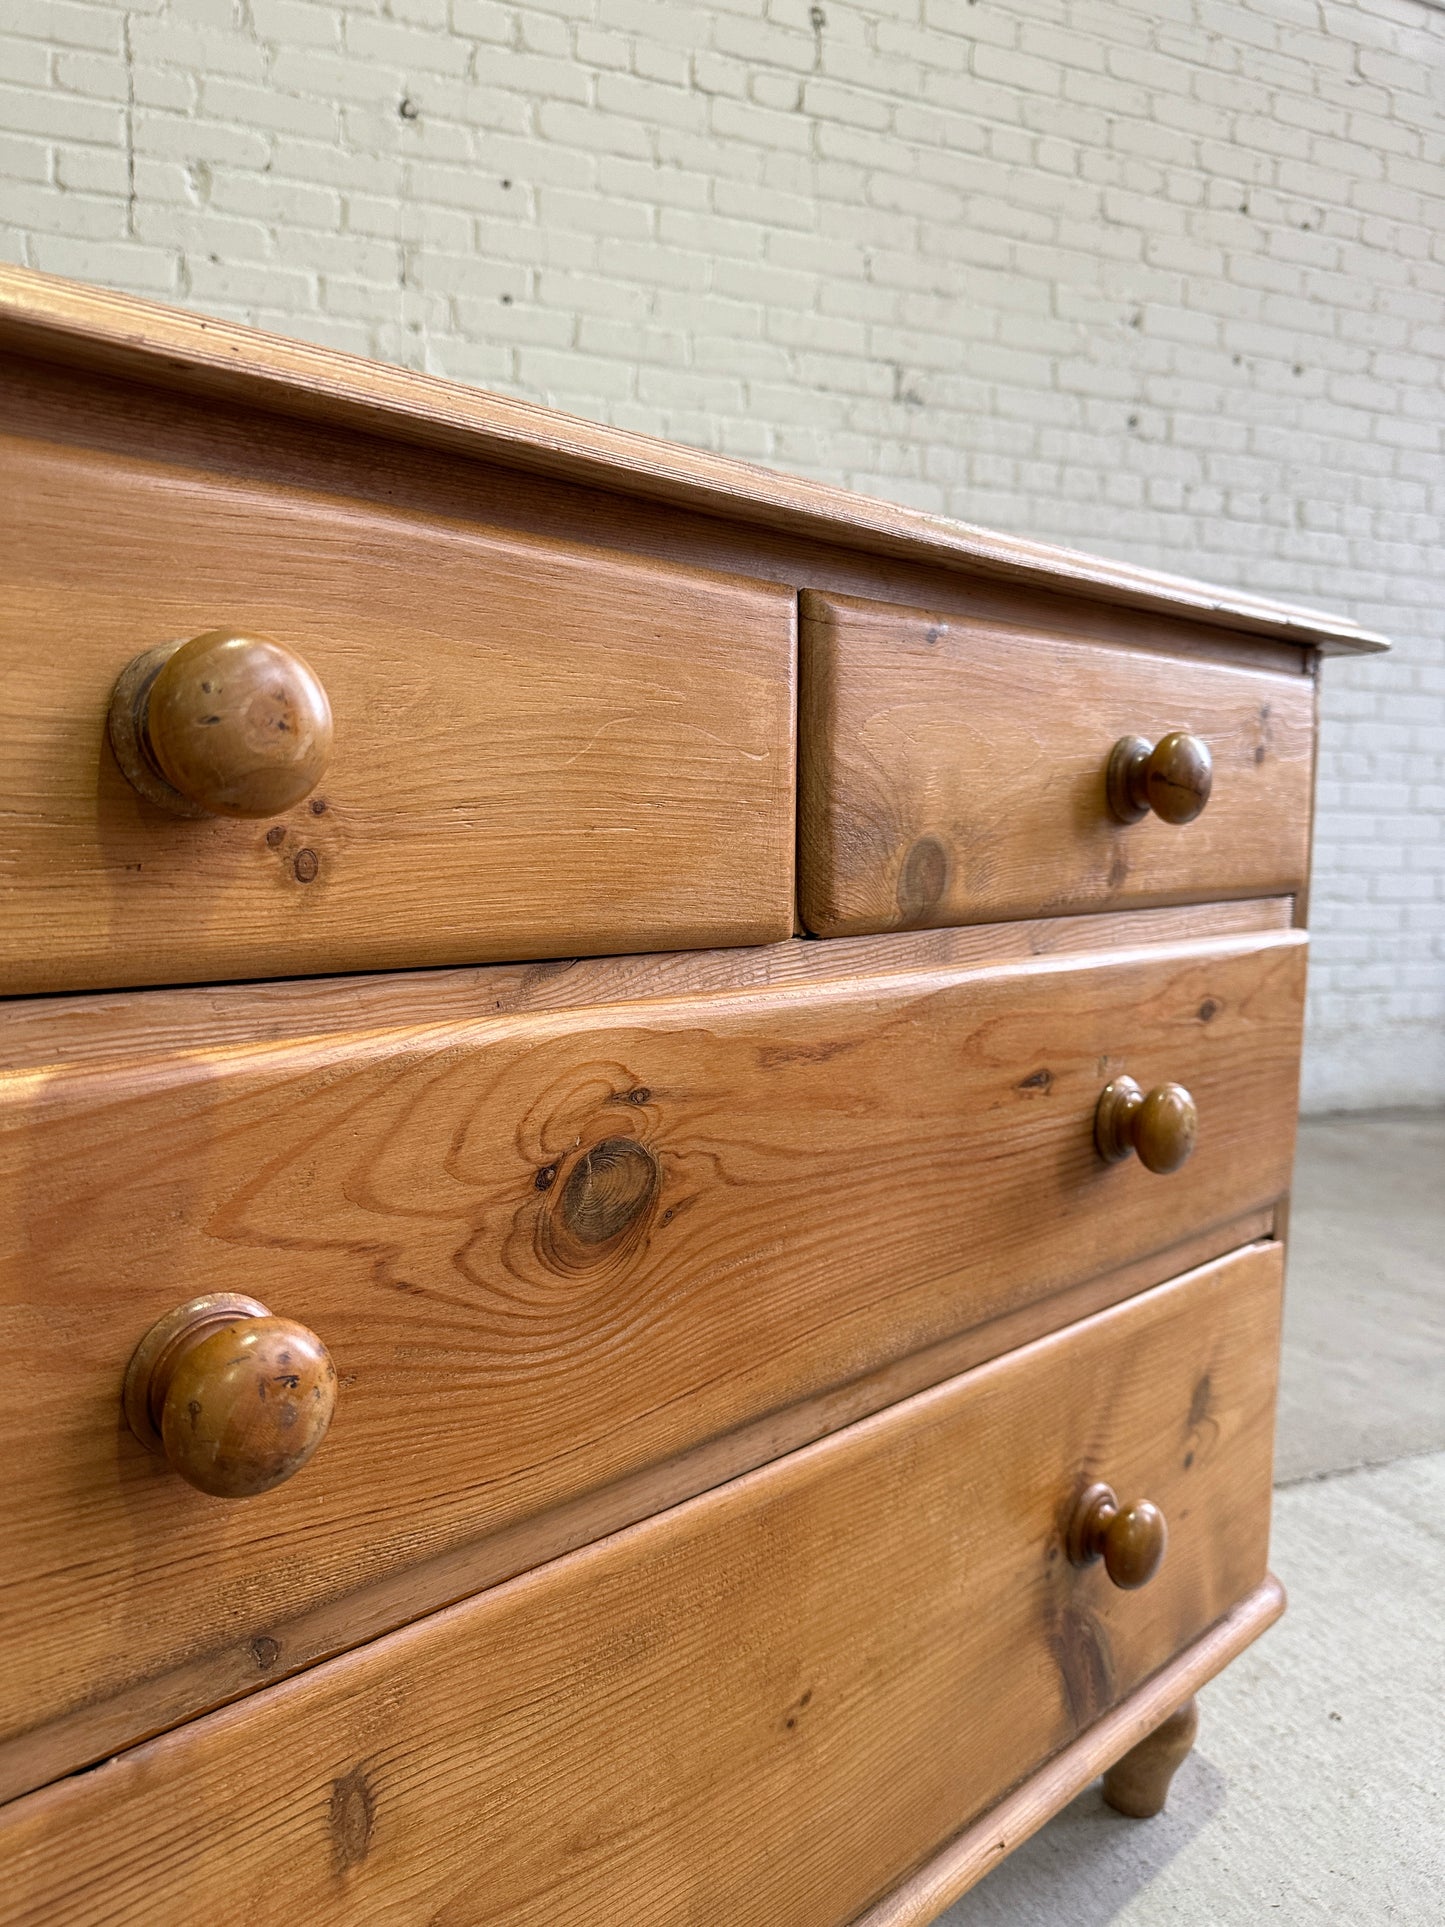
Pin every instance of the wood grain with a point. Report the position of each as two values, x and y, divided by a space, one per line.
537 751
1019 1815
955 772
798 1661
568 1247
292 1642
114 417
91 328
129 1027
1138 1785
1302 895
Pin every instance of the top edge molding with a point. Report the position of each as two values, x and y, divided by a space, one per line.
56 320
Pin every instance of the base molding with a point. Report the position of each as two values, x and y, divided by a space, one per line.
980 1847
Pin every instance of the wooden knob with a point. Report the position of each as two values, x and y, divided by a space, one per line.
1130 1540
1171 777
222 725
1160 1127
235 1399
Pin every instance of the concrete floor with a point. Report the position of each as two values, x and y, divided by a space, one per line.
1364 1343
1316 1792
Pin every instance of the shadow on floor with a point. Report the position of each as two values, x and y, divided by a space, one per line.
1319 1793
1087 1862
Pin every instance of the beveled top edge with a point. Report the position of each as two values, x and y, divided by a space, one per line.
58 320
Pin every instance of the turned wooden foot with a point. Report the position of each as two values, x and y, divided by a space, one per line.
1139 1783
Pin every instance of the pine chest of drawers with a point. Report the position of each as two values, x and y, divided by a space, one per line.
644 1127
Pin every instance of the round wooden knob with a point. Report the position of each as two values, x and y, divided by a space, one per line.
1160 1127
1130 1539
222 725
235 1399
1171 777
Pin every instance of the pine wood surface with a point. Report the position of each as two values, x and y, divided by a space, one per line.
114 1027
59 321
1138 1784
222 724
130 421
538 750
233 1398
954 772
798 1661
546 1252
964 1861
594 1236
378 1603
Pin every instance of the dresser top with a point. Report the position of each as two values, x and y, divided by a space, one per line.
56 320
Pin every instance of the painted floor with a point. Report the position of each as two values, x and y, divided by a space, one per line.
1316 1791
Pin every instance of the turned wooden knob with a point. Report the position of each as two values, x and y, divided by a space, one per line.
1160 1127
1171 777
1129 1539
222 725
235 1399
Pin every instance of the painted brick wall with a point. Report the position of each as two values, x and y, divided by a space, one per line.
1164 279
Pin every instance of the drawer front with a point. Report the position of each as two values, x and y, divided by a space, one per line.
763 1707
550 1252
955 771
539 749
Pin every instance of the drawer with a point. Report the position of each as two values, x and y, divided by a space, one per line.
549 1254
955 770
539 749
766 1706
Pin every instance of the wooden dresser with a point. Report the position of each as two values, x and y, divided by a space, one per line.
646 1116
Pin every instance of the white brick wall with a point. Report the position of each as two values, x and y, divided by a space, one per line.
1162 278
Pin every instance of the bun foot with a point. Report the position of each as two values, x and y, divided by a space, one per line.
1138 1785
